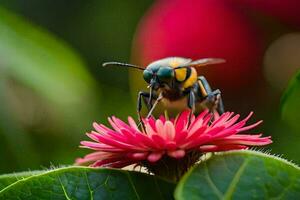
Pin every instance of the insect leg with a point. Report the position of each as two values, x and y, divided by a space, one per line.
211 96
220 107
191 100
191 104
141 95
147 101
145 96
154 105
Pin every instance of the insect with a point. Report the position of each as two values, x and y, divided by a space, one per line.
174 82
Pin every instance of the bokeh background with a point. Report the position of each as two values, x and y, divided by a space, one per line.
52 85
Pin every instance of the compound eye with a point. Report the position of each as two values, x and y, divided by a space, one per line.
165 74
147 76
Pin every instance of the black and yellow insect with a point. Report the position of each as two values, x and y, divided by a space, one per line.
175 83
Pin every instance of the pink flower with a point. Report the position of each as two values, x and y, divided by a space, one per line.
174 141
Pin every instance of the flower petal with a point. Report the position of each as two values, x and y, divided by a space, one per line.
168 130
177 153
155 156
126 144
217 148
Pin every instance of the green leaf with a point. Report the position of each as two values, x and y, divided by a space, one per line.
41 61
35 59
290 103
241 175
42 81
7 179
89 183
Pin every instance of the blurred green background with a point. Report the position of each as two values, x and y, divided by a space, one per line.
52 85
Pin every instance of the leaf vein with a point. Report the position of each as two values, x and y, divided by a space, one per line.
133 187
232 186
212 184
64 189
88 184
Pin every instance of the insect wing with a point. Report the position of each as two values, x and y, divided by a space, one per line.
205 61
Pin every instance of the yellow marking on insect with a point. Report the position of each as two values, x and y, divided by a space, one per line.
180 74
203 91
192 79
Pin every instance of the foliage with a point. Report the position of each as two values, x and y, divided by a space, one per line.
40 78
231 175
88 183
241 175
290 105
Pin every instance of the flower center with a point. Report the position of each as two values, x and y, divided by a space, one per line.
172 168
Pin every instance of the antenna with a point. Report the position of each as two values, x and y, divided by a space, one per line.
122 64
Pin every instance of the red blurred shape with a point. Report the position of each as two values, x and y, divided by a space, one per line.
287 11
198 29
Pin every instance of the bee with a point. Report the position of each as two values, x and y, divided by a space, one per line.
174 82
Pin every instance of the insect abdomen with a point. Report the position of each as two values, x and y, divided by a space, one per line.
187 75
